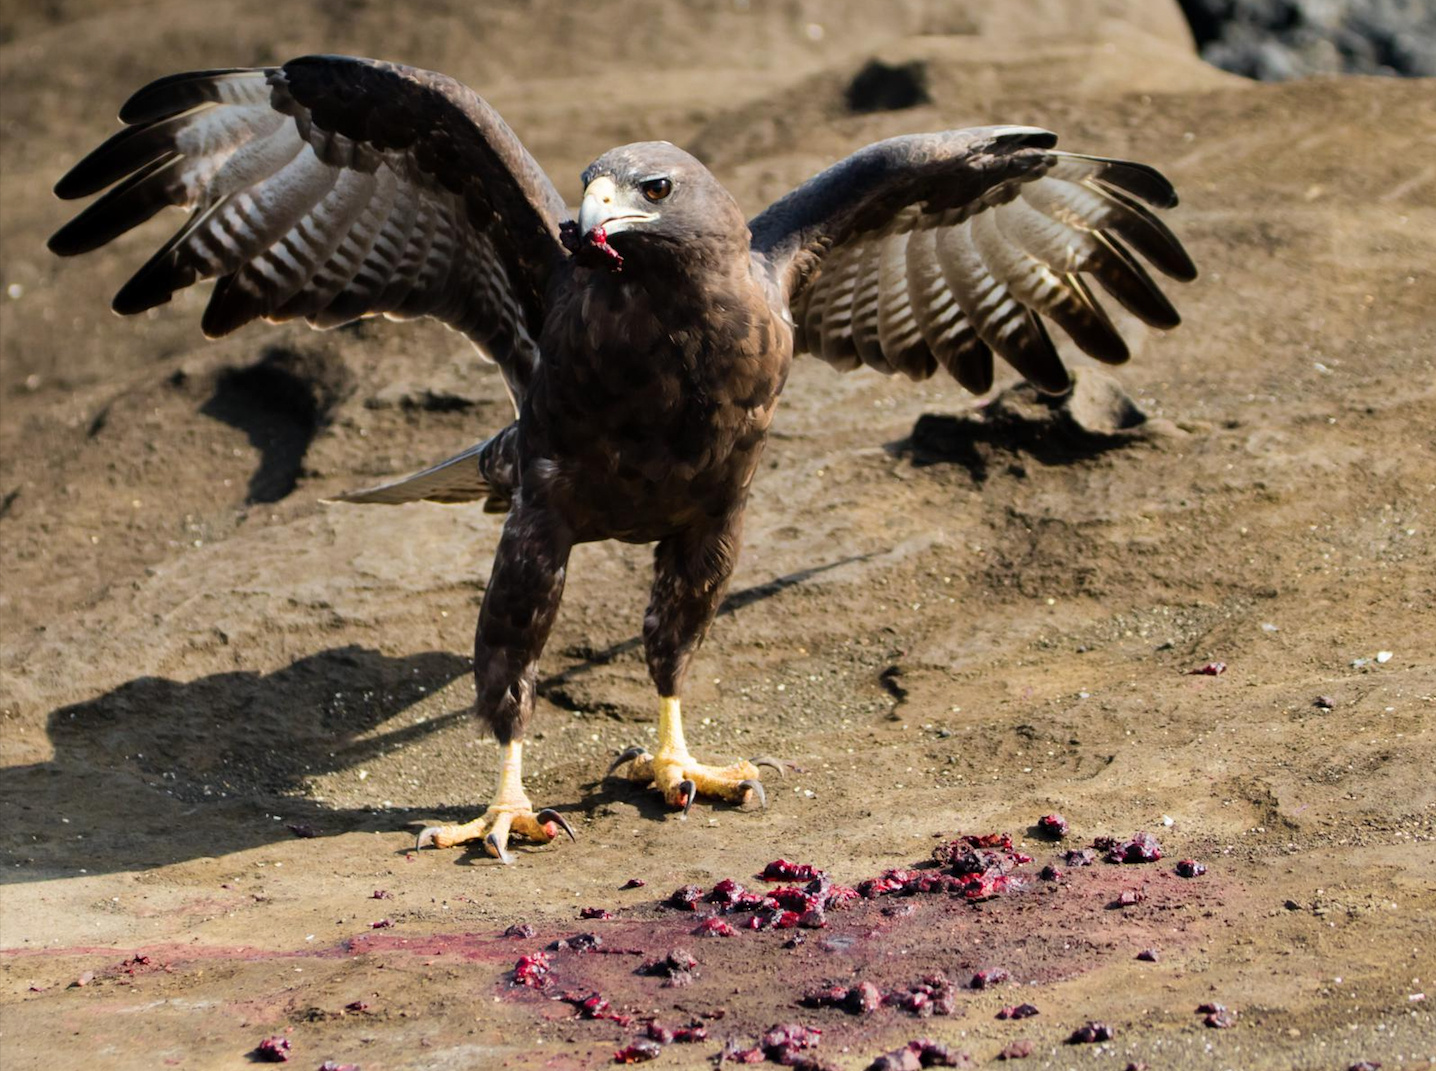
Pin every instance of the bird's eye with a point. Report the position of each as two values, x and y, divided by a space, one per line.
656 189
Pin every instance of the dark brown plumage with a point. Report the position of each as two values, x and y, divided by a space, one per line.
644 345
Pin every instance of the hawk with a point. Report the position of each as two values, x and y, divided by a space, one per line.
644 344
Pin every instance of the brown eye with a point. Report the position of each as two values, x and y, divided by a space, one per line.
656 189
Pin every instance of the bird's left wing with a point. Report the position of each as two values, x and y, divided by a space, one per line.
330 188
937 250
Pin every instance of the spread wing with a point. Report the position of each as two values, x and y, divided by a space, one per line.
330 188
938 250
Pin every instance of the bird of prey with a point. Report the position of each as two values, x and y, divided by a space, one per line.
644 344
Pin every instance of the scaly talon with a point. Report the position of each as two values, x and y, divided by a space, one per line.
548 816
628 755
687 792
510 813
495 847
778 766
755 786
681 779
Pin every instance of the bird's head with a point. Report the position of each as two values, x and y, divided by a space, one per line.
652 202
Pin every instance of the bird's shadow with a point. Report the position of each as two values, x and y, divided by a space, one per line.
158 771
1020 424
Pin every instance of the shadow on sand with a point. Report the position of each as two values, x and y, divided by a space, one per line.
157 771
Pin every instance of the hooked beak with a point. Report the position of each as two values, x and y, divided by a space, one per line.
603 206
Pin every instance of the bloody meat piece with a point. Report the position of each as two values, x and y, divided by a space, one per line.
1211 669
733 1052
1080 857
1092 1032
924 1052
1053 825
273 1050
1137 1065
519 929
658 1032
633 883
986 979
685 897
1365 1065
531 970
862 999
382 924
793 899
678 963
773 918
1218 1016
1050 873
727 892
1210 1008
594 913
381 894
813 919
357 1006
1325 702
890 881
1149 955
1018 1050
783 1042
1141 848
639 1051
973 854
838 895
592 249
330 1065
1190 868
589 1005
986 886
1019 1011
931 995
714 927
579 942
784 870
828 997
1129 897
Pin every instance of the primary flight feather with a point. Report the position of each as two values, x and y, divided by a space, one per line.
644 344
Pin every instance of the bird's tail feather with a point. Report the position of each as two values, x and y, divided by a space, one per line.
482 473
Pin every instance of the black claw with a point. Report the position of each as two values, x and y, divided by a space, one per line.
496 849
628 755
778 766
689 791
757 789
548 814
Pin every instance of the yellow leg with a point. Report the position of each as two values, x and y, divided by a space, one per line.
509 813
680 777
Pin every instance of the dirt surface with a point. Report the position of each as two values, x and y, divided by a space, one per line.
226 705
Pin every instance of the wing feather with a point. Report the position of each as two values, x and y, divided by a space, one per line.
330 188
941 250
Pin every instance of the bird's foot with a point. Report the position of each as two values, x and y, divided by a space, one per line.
682 779
496 825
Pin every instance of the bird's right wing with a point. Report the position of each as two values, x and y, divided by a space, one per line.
330 188
938 250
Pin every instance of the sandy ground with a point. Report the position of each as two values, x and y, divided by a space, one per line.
953 631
